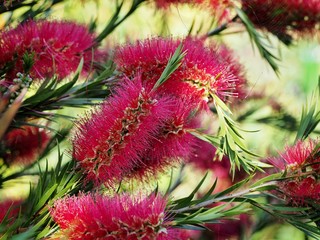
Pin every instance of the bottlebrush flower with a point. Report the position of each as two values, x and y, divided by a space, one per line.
284 17
300 162
173 143
299 192
23 145
9 210
111 141
119 217
227 57
200 75
295 157
56 47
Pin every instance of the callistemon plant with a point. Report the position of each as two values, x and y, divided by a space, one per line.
24 145
284 18
301 163
115 136
201 74
118 217
157 120
55 48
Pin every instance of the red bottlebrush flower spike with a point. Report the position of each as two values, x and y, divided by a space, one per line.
226 56
295 157
57 48
13 206
112 140
285 16
200 75
120 217
299 192
300 163
23 145
171 145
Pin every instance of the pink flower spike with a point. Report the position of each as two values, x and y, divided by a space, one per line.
172 145
229 228
201 74
119 217
23 145
226 56
110 142
298 192
294 157
284 17
57 48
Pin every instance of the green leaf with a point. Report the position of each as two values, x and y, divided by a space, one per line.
231 142
173 64
63 89
52 95
215 141
258 38
24 236
183 202
233 187
45 197
116 20
269 178
310 116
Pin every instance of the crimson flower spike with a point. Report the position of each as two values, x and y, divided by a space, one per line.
24 144
302 166
296 157
200 75
111 141
172 145
9 210
110 218
55 49
285 17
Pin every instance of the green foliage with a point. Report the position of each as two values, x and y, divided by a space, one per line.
51 95
53 184
173 64
230 142
310 116
258 39
116 19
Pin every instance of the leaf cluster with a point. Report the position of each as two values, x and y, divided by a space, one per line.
34 219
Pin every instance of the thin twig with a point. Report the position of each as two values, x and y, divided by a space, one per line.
221 28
